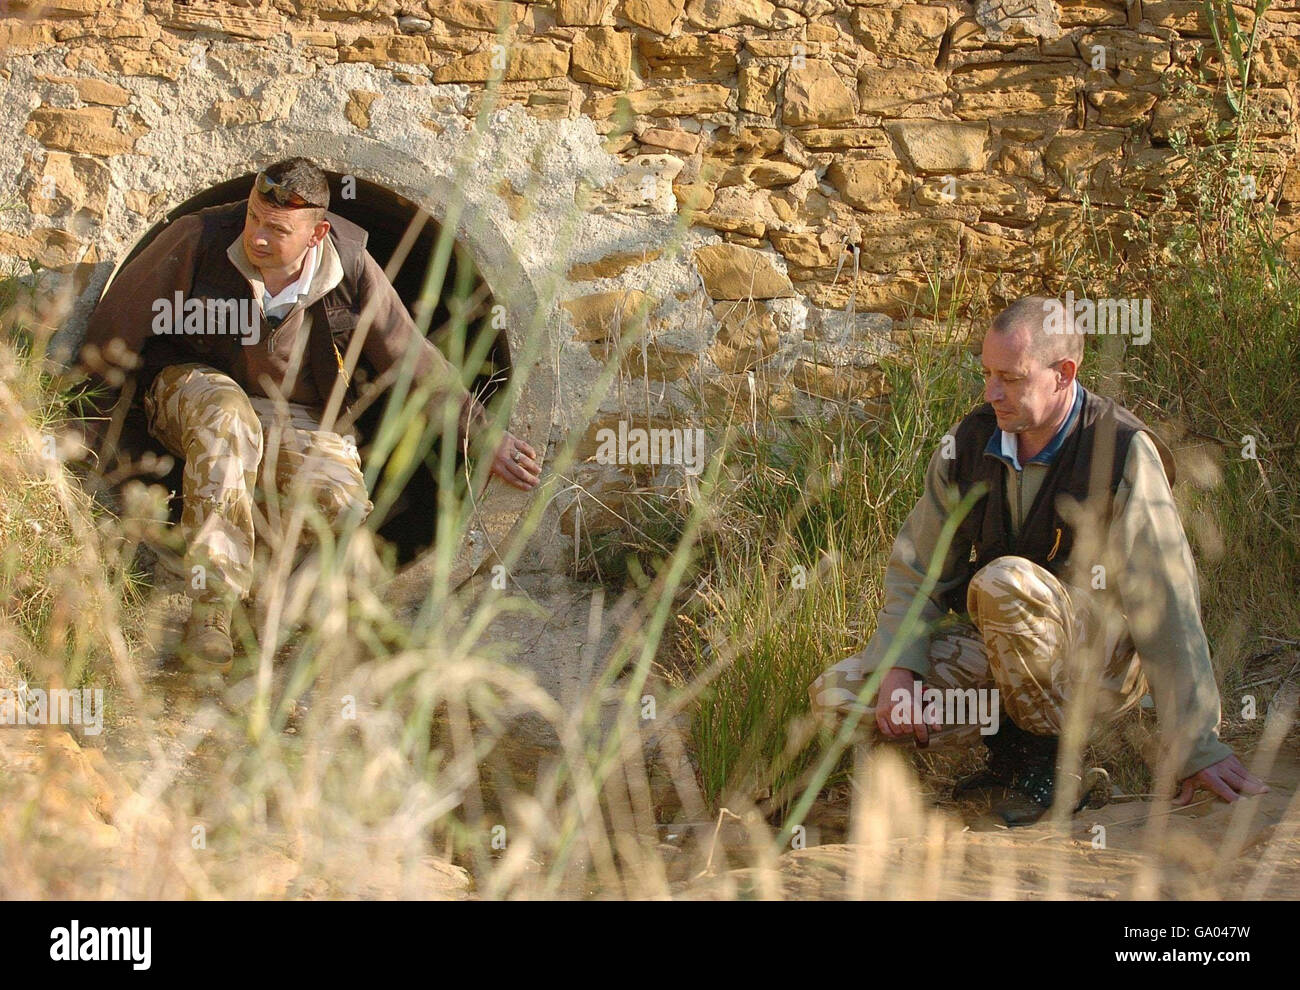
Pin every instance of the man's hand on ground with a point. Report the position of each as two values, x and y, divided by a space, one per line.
515 463
1228 778
896 680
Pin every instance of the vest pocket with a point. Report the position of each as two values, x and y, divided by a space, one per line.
342 322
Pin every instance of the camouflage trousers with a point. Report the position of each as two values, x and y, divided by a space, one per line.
1031 638
238 450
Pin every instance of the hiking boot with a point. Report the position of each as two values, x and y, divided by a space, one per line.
1024 765
206 644
1032 794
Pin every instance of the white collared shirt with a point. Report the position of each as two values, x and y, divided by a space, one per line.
278 305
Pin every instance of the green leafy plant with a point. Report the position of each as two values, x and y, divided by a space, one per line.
1240 46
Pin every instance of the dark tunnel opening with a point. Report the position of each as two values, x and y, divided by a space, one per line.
411 523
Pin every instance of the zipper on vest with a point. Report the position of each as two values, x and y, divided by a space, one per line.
1020 503
278 330
1020 510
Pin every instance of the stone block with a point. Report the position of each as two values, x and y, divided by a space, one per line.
911 31
65 183
1120 107
873 186
602 55
1013 89
357 109
1074 156
756 92
611 265
657 15
581 12
691 57
380 49
603 315
88 131
713 15
478 15
941 146
527 60
893 91
917 244
731 271
663 101
816 95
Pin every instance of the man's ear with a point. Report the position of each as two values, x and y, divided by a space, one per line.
318 232
1068 369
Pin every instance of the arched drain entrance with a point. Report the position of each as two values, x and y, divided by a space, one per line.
387 216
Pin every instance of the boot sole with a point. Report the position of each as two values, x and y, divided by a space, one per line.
201 665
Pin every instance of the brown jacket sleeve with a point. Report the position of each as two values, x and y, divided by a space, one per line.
393 332
1157 582
121 323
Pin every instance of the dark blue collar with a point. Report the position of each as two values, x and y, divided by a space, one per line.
1048 453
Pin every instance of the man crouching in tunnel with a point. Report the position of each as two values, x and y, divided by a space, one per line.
223 397
1071 580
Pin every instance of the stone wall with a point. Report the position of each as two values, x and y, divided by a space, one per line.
774 184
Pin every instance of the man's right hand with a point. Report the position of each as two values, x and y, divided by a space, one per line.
888 704
1228 778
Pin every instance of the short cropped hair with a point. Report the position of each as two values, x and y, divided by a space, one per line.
304 177
1050 325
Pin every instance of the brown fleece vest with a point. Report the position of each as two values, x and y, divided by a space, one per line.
334 316
1090 462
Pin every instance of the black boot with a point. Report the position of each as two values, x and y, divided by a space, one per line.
1025 766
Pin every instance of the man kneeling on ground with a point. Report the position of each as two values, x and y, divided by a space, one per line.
1071 577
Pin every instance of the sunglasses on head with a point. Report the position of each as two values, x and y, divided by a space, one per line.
268 187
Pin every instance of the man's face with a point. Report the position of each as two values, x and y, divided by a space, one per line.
277 237
1025 393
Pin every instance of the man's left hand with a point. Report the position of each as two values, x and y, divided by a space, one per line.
1228 778
515 463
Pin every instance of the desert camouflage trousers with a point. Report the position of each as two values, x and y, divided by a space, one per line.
238 450
1029 637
